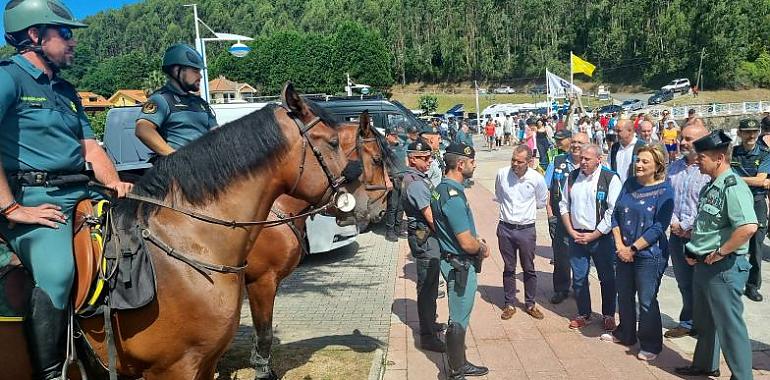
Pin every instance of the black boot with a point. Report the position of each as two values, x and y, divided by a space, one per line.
45 328
459 367
431 342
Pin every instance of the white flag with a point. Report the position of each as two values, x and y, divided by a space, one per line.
558 86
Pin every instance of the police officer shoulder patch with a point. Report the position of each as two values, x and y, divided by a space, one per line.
453 193
149 107
730 181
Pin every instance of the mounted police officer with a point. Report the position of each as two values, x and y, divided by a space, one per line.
720 241
394 211
751 161
461 254
173 116
44 135
415 198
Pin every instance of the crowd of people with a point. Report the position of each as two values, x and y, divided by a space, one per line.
630 194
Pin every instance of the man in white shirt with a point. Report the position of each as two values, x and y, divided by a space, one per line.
623 154
520 191
586 210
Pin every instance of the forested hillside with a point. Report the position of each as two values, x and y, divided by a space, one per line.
382 42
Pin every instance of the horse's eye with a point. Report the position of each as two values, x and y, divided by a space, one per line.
377 160
335 143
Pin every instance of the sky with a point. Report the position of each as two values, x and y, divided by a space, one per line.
85 8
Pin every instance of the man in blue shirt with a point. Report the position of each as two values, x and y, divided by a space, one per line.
751 161
174 115
44 134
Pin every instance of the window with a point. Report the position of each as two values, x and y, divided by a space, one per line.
397 120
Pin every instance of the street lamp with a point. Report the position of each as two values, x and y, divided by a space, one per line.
238 49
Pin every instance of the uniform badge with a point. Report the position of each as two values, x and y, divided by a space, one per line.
756 163
601 195
453 192
149 107
467 150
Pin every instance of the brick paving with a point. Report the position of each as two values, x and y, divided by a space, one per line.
524 348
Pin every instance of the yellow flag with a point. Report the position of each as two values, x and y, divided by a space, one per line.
581 66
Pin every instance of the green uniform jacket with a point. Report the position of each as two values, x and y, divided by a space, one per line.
725 204
451 215
180 117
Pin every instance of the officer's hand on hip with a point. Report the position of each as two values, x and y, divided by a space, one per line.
690 262
45 215
122 188
713 257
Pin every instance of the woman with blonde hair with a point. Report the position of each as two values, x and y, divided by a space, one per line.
642 214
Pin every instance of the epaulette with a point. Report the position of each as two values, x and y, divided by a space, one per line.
730 181
453 193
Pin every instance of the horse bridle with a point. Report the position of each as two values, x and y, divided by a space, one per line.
334 182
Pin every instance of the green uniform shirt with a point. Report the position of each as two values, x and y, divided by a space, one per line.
451 215
724 205
399 152
42 121
180 117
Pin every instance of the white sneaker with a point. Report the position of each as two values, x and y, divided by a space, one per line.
646 356
608 337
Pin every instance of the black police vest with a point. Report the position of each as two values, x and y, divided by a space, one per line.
409 209
191 103
602 190
614 158
558 179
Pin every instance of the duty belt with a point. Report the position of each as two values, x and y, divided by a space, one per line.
39 178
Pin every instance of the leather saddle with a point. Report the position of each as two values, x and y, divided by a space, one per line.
88 243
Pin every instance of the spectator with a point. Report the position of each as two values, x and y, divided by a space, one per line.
508 130
687 181
586 210
623 154
489 131
641 217
520 191
499 134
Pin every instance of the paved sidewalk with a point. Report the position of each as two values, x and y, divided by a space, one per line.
523 347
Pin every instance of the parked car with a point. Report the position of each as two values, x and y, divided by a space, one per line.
678 85
632 104
537 89
504 90
608 109
603 93
661 96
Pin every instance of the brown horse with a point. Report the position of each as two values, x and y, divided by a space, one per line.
233 173
278 250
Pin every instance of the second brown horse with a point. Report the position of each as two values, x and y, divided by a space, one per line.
265 272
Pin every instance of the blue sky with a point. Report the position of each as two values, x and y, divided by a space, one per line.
84 8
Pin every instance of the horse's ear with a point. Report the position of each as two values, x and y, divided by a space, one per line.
363 123
291 99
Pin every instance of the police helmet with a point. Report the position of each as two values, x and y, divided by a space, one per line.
183 55
22 14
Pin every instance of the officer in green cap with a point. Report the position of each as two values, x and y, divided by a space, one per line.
751 161
462 252
44 135
415 198
174 115
724 224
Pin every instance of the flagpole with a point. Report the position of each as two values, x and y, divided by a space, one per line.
571 75
547 93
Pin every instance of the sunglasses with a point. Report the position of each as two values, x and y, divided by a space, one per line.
64 32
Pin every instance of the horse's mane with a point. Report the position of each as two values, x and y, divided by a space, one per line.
202 169
388 157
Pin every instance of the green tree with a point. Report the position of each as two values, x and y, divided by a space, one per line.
428 103
98 120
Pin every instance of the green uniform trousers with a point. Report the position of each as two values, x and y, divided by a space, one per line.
47 252
718 315
460 301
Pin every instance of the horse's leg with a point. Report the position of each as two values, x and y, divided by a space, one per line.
261 298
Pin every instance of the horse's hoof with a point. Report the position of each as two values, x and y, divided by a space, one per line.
261 375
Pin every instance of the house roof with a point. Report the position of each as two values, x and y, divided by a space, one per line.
137 95
222 84
92 100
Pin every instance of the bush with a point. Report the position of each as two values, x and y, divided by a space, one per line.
98 120
428 103
752 74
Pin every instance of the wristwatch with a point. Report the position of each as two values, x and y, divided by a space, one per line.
634 249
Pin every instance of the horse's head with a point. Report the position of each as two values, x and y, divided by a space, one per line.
320 167
361 142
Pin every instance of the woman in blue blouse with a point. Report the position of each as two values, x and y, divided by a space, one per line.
639 222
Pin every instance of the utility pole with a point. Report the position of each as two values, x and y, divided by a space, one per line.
478 111
700 67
